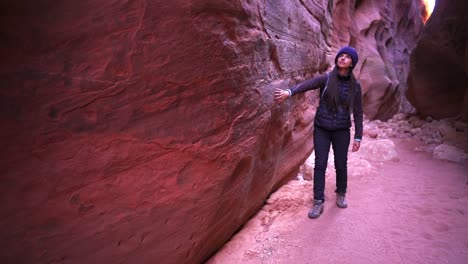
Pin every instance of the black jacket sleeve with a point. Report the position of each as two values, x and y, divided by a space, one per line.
357 113
311 84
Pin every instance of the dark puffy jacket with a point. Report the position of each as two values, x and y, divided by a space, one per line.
341 118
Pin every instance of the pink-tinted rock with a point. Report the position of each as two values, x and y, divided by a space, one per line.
438 80
450 153
145 131
384 33
372 133
379 150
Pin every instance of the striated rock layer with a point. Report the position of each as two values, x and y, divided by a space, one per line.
384 33
145 131
438 80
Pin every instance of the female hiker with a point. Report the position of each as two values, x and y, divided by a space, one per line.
340 95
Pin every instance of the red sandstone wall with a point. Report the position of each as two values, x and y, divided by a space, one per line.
145 131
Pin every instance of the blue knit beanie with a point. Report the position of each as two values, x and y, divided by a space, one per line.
351 52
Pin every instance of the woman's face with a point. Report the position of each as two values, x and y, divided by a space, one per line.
344 61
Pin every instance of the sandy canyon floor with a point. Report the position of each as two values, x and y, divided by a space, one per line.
414 210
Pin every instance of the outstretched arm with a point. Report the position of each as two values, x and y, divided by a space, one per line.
311 84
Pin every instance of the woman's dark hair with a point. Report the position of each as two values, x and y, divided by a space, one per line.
332 94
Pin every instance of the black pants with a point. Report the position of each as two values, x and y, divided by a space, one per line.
339 139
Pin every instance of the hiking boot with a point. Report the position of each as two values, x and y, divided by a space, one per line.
317 210
341 201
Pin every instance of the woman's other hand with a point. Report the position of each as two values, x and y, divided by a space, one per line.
356 145
281 95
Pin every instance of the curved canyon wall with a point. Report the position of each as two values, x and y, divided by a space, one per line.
438 80
135 131
142 131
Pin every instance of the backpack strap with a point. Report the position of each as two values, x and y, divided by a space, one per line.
326 86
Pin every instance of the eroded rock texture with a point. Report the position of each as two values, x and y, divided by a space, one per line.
145 131
438 80
384 33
